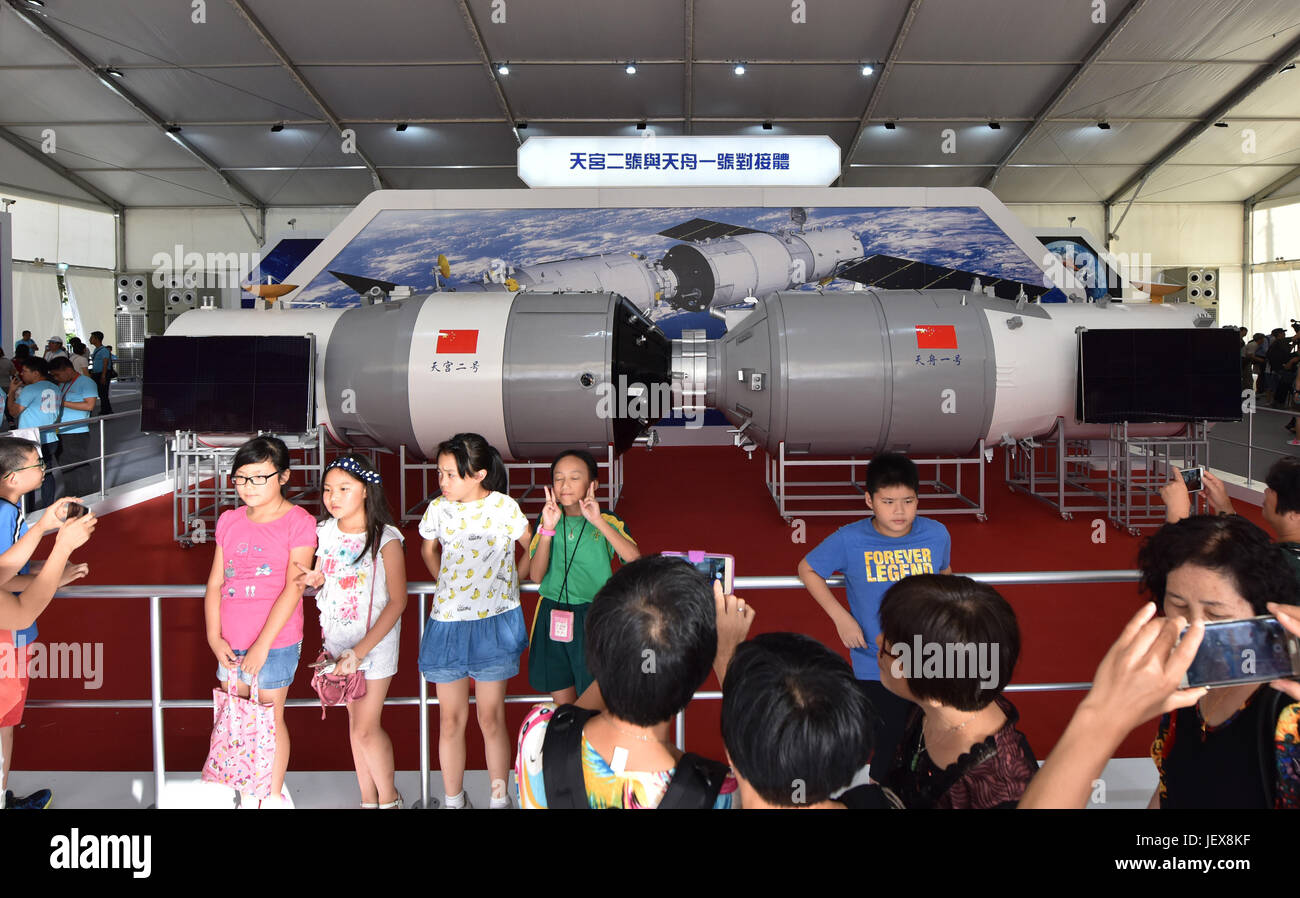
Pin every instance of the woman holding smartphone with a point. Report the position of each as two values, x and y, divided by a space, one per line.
1239 745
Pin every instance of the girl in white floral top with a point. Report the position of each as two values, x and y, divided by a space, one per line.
361 573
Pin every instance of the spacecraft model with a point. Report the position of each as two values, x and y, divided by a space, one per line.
834 373
717 266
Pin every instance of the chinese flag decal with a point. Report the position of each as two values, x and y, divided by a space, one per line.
465 342
935 336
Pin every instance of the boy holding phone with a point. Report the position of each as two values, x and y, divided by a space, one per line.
21 471
873 554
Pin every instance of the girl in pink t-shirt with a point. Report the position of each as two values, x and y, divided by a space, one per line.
252 609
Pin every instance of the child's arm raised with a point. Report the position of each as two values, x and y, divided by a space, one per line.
849 630
20 612
281 611
12 561
626 549
212 613
394 562
540 562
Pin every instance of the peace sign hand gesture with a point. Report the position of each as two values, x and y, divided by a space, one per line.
589 506
550 511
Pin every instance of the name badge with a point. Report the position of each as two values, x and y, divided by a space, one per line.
561 625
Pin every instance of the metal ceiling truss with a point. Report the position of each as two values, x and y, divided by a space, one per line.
288 65
878 90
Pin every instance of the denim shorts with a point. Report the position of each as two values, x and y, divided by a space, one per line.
281 664
487 649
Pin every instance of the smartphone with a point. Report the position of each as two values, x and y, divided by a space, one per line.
1250 650
716 566
1192 477
73 510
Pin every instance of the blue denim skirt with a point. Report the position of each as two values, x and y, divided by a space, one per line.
486 649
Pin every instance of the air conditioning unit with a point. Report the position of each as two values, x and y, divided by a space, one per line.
1201 286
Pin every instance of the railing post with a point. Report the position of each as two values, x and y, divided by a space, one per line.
156 710
1250 441
424 721
680 738
102 485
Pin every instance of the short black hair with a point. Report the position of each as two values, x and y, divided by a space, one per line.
1284 480
651 638
99 334
473 453
582 455
795 720
892 469
1227 544
59 362
39 365
27 333
963 617
14 453
260 449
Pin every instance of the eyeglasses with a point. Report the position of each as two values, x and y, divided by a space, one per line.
254 479
40 464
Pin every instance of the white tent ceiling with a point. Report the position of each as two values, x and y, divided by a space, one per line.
1155 70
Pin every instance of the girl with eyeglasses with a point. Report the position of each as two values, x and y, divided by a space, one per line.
252 608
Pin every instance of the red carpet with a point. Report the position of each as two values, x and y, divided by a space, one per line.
675 498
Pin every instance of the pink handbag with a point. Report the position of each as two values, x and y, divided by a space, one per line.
242 750
336 690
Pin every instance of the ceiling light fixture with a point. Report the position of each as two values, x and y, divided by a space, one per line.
996 126
640 126
739 69
277 127
631 68
503 68
889 126
521 125
1220 124
173 129
1105 126
868 71
1288 67
36 3
767 126
112 71
401 126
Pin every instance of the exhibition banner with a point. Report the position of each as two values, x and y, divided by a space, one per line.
744 161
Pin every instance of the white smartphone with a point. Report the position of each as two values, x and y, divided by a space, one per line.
1192 477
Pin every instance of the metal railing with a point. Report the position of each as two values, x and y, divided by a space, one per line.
1249 445
157 704
101 458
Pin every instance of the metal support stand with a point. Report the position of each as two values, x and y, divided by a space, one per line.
1119 477
942 494
203 488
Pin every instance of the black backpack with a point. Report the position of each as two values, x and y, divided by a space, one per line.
695 784
1273 704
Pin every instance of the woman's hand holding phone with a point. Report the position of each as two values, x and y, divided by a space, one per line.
1289 617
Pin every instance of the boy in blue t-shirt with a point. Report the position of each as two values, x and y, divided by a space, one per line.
873 554
21 471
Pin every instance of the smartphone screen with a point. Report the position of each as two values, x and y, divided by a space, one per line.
716 569
1192 477
1252 650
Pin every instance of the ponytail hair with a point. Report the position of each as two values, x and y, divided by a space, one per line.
474 454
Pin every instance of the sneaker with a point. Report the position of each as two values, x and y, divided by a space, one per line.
37 801
1293 442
